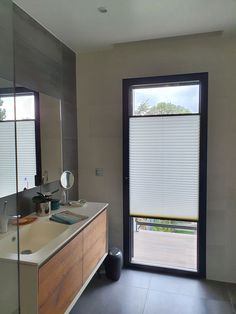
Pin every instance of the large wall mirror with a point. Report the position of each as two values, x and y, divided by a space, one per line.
50 138
7 142
30 129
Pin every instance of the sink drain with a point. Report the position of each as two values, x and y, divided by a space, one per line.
26 252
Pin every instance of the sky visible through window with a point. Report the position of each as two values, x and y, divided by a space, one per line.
186 96
24 107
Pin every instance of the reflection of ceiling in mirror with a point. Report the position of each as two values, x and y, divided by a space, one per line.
5 84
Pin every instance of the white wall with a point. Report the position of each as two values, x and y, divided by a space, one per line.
99 77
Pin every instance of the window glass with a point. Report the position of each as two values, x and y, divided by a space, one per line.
6 108
26 154
163 99
8 161
25 107
164 166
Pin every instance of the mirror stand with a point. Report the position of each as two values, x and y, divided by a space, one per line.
67 181
64 197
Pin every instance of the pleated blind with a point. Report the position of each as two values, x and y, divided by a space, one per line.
26 155
164 166
8 159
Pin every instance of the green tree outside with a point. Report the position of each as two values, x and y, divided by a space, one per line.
160 108
2 111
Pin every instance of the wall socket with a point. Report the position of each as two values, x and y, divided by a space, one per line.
99 172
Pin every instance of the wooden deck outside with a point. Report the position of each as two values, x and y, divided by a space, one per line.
165 249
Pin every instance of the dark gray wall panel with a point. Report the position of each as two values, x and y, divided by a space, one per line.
69 75
69 120
38 56
44 64
24 199
11 204
6 15
6 42
73 192
70 160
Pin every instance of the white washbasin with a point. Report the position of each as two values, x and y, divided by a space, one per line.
33 237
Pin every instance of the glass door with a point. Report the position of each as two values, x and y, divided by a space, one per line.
9 230
164 164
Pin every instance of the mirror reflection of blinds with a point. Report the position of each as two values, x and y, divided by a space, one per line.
164 166
8 160
26 155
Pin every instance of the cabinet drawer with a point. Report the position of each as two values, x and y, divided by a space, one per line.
60 278
95 244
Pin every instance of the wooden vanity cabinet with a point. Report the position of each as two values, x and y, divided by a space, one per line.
94 244
60 278
65 275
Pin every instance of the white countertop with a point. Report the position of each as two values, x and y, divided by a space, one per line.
90 209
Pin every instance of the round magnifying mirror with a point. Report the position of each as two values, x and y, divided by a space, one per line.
67 180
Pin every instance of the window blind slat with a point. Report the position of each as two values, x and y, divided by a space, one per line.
164 166
26 155
8 159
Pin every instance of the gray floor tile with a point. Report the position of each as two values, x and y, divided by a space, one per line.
218 307
147 293
189 286
135 278
166 303
123 301
231 288
234 307
213 290
93 300
103 296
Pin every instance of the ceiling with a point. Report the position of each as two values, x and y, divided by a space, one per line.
80 26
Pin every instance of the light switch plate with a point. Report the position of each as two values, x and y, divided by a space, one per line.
99 172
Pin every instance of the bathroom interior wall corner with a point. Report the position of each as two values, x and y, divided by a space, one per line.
99 90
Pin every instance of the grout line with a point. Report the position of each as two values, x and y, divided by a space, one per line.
145 302
197 297
147 294
230 299
149 283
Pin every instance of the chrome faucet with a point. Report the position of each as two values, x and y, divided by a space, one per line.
4 218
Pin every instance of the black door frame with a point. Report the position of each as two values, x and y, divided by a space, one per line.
128 84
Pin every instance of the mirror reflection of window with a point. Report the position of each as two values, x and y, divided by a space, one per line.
7 112
25 106
8 161
17 116
7 145
26 140
30 139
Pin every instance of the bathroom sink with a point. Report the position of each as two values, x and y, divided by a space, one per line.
33 237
